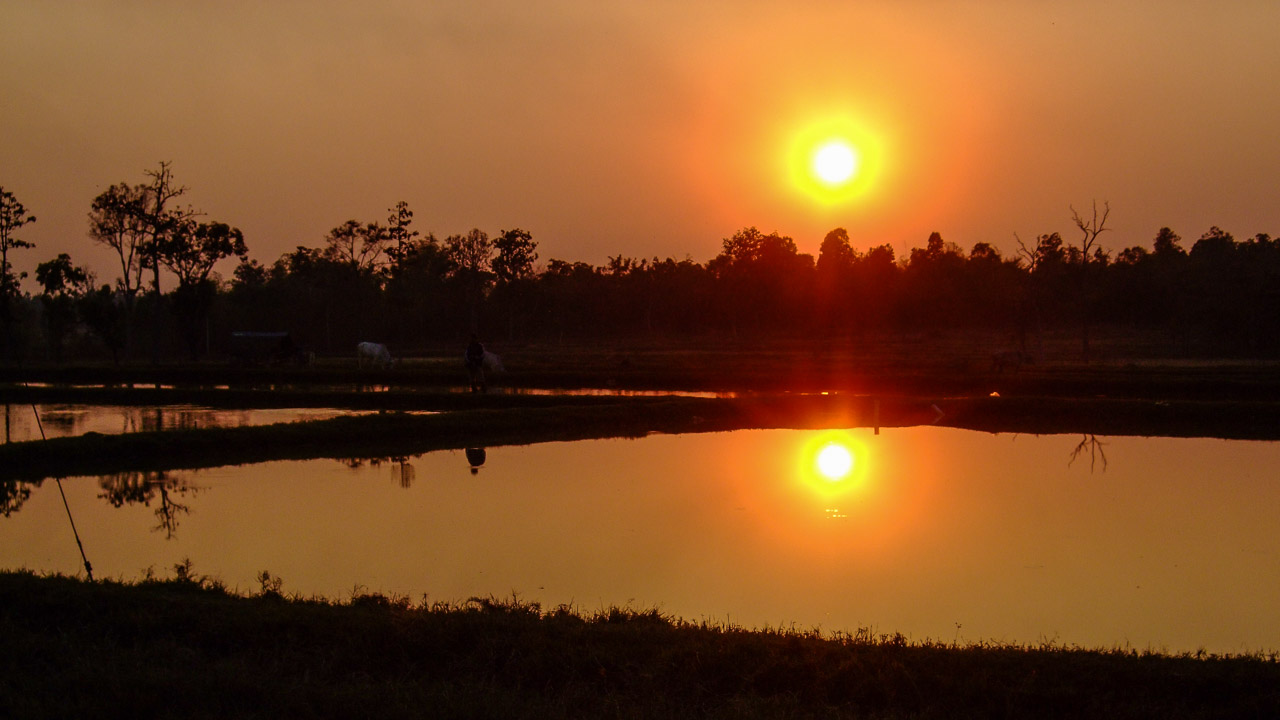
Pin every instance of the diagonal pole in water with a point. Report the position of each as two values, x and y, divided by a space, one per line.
87 567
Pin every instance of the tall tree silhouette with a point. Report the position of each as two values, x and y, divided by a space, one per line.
472 255
116 221
12 217
160 220
836 259
190 252
765 281
63 285
513 275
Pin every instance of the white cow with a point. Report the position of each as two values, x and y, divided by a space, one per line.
492 363
375 355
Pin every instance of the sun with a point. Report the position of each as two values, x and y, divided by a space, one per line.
834 461
835 162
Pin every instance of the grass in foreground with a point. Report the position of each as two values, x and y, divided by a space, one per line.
187 647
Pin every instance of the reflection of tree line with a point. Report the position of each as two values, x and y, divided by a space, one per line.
14 494
168 489
404 471
401 469
64 421
162 487
142 488
165 488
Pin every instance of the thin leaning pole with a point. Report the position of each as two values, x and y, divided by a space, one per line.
87 567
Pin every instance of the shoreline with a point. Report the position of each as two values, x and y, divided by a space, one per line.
492 420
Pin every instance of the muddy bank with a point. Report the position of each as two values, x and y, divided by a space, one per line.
907 371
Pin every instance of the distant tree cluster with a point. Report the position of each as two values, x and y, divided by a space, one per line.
386 282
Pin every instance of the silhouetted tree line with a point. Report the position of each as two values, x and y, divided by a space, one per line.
384 281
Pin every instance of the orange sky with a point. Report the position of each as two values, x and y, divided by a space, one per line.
644 128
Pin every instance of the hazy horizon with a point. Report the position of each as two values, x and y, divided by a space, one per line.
643 129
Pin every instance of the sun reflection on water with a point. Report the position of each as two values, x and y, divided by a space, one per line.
833 464
932 527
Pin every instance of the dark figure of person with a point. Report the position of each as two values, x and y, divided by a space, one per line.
475 364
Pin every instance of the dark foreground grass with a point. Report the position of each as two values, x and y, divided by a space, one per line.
188 648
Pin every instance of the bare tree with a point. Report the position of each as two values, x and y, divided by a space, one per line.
1029 297
138 223
161 220
1090 229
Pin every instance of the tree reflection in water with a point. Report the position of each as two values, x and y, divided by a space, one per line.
61 420
1094 446
13 494
140 488
402 470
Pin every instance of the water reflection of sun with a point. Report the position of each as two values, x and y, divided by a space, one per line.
833 463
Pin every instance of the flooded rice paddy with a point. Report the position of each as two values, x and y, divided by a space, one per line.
936 533
28 422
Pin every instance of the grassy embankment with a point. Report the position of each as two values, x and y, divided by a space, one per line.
188 648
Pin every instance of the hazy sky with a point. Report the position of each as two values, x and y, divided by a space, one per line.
647 128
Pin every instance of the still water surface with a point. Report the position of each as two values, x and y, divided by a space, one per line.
937 533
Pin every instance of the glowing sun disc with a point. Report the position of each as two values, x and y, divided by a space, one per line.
834 461
835 162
